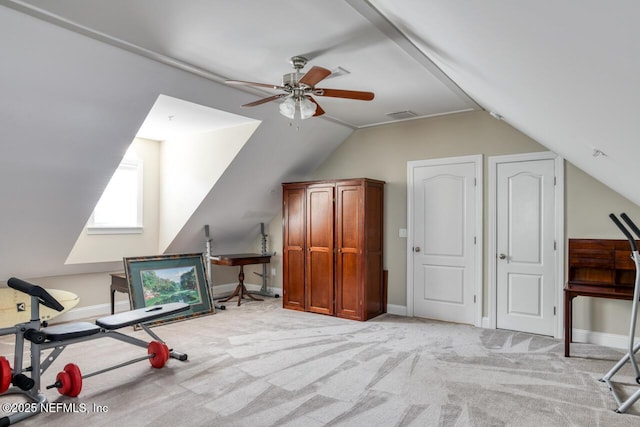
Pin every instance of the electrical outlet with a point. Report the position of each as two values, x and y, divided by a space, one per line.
273 272
402 232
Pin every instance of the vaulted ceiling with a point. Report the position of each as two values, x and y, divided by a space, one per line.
79 76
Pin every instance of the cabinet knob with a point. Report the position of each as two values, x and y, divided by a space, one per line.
502 256
416 249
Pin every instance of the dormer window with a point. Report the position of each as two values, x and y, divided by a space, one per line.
119 210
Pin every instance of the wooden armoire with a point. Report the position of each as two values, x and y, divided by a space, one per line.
332 247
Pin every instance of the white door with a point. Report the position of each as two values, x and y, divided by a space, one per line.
443 232
525 254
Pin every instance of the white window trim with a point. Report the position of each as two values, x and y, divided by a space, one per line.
92 228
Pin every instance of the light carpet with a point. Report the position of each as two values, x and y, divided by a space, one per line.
260 365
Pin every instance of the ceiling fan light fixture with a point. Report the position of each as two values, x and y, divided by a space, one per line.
288 108
307 108
298 88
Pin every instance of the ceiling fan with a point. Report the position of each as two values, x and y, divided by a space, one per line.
299 87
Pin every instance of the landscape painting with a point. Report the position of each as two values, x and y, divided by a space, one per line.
164 279
167 285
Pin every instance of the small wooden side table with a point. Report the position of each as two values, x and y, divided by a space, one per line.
118 283
240 260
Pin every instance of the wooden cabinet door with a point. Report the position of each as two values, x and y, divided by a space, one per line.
293 266
349 251
319 266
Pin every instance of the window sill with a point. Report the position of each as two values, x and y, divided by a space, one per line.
114 230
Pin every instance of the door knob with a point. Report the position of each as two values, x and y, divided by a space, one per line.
502 256
416 249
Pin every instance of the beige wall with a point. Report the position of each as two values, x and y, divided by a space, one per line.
382 152
588 204
92 288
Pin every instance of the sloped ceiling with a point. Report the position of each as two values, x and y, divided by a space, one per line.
565 73
79 76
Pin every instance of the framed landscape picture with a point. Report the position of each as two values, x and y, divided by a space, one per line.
162 279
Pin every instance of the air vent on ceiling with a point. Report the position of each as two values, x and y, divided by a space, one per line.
399 115
339 72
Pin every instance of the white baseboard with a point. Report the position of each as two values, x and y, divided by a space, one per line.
601 338
486 323
100 310
399 310
219 291
579 335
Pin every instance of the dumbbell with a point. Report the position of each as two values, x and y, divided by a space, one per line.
69 380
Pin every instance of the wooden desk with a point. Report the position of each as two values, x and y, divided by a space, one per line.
596 291
118 283
598 268
240 260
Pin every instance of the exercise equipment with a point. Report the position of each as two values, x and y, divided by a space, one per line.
630 356
208 266
26 381
264 289
69 380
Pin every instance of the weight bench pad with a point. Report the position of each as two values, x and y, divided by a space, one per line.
141 315
70 331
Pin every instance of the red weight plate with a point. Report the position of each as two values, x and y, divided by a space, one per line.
159 352
5 374
76 379
65 383
166 352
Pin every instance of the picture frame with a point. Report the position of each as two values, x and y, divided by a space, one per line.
162 279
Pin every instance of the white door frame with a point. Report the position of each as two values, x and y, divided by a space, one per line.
494 161
477 160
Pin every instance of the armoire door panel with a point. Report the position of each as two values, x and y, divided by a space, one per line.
294 297
348 221
320 282
348 300
349 247
293 267
319 279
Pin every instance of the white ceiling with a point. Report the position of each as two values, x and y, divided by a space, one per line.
254 41
565 73
171 118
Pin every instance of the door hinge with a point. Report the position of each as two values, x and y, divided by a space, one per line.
555 245
554 310
554 180
475 182
474 240
474 299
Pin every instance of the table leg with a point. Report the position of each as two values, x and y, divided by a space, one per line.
568 323
241 291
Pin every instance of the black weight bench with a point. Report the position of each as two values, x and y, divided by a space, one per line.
57 338
116 321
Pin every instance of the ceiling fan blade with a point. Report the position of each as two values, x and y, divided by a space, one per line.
264 100
339 93
314 75
319 110
241 83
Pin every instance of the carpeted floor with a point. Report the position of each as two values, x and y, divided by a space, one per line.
259 365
